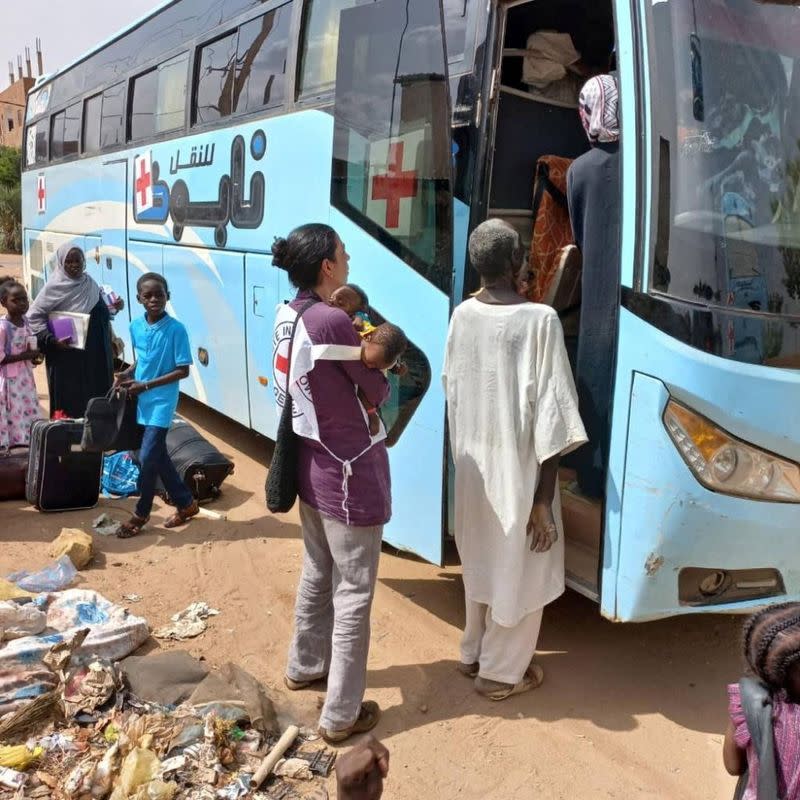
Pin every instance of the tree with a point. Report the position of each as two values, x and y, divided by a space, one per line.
10 199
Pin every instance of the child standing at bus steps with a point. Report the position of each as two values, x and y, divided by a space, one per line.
772 651
163 358
19 402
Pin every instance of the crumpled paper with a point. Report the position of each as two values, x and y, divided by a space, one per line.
88 688
188 623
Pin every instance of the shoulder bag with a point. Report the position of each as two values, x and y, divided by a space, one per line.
281 485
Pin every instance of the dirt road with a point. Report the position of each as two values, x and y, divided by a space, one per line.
631 711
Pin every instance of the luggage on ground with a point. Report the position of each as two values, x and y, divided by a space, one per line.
110 423
201 466
13 469
120 475
61 477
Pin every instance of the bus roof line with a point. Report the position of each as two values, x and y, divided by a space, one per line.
98 47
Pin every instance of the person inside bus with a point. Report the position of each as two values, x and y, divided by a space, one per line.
512 412
74 376
344 489
593 193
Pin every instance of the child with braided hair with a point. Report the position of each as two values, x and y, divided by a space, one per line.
772 653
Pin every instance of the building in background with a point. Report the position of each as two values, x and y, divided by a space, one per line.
12 99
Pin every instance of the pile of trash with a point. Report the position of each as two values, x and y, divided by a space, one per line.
84 718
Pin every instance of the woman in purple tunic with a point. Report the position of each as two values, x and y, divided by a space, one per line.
345 494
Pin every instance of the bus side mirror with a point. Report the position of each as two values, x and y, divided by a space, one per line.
698 102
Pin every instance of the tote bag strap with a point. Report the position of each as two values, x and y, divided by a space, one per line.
311 302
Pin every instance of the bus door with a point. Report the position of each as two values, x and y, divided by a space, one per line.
392 204
704 478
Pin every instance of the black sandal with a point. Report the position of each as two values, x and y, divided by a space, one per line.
133 527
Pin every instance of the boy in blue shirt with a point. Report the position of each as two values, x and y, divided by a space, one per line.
163 358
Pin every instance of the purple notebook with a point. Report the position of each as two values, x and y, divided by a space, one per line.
62 328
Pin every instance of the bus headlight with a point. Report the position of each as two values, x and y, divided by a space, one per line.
728 465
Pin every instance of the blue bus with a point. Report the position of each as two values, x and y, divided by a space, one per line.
186 143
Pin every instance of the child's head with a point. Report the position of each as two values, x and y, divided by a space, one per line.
14 298
350 298
772 646
382 347
152 292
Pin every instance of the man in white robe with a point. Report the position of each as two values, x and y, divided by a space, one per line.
513 411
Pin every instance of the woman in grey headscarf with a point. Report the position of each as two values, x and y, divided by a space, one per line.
74 376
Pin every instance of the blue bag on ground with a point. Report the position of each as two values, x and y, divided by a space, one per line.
120 475
55 576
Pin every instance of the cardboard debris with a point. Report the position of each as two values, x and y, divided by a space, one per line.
76 544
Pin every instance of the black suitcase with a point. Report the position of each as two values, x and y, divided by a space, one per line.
202 467
61 477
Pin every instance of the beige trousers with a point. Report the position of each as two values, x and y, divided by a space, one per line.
503 653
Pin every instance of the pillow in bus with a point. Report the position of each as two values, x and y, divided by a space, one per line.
552 230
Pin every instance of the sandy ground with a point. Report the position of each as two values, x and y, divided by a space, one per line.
630 711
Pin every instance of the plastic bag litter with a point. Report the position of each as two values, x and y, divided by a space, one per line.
188 623
20 620
140 767
10 591
11 779
19 757
106 526
55 576
103 776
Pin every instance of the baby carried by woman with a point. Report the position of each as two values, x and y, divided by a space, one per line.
382 345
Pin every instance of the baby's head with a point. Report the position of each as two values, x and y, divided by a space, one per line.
382 347
772 647
350 298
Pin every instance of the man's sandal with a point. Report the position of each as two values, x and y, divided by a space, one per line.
133 527
367 719
183 515
296 686
532 679
469 670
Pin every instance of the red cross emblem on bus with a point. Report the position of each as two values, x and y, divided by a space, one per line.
41 195
395 185
143 182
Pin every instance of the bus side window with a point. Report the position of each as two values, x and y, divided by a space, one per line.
37 141
213 93
72 130
320 41
157 99
91 123
64 132
111 116
261 61
57 135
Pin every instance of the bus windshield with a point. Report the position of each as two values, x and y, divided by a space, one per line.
726 110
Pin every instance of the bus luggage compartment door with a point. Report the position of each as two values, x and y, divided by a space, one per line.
207 295
261 300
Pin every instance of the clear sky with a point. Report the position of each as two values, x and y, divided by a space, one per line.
67 28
